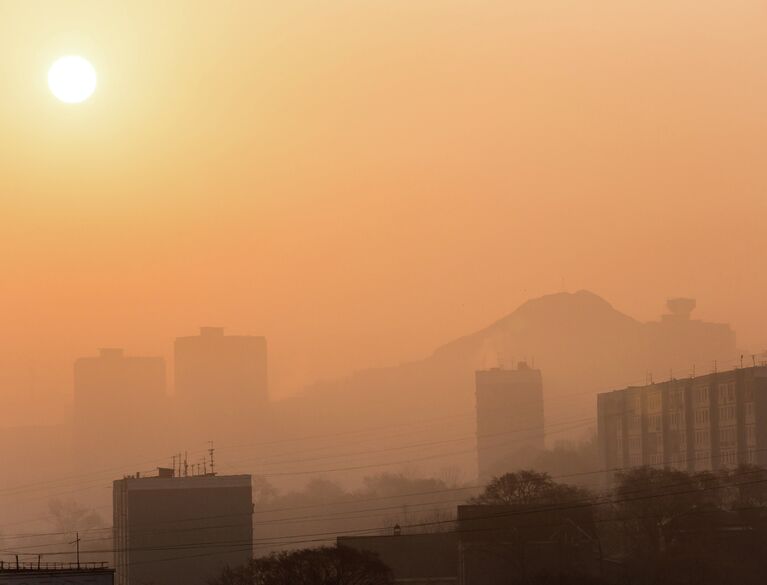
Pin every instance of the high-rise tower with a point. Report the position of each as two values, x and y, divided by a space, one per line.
221 382
509 418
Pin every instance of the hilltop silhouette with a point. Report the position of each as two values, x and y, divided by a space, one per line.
581 343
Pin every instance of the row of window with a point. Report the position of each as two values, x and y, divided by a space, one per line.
727 438
676 420
701 461
727 414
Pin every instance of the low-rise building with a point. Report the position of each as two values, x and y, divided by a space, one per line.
415 559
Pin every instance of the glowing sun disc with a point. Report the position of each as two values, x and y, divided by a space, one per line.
72 79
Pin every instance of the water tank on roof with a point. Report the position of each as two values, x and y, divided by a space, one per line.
681 307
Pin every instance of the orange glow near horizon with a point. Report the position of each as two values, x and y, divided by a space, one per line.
362 182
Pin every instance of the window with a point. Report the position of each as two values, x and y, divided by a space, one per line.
653 402
729 457
702 395
701 417
702 439
676 399
727 437
726 393
653 423
750 411
727 414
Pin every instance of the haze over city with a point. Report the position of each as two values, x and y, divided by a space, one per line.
321 224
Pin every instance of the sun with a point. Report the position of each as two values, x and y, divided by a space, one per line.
72 79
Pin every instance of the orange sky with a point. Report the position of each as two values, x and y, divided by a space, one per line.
361 181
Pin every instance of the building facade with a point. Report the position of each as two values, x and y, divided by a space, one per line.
708 422
509 406
170 530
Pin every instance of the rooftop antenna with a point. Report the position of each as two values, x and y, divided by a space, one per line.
174 464
715 366
753 359
205 467
186 465
211 450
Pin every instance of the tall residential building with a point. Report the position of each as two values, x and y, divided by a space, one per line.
221 381
119 408
509 418
170 529
707 422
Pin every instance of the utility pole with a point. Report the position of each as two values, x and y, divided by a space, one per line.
77 543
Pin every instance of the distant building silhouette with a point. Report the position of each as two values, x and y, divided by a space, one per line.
509 406
714 421
221 382
119 408
677 341
170 530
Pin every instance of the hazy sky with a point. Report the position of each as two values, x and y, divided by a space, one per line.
363 180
